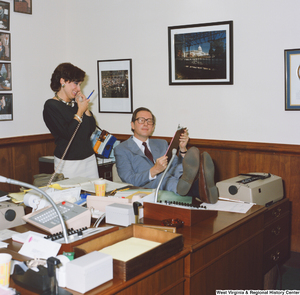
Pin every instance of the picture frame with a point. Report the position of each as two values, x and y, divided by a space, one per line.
292 79
5 50
4 16
201 54
6 106
23 6
115 86
5 77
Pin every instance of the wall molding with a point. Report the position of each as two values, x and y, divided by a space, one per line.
233 145
203 143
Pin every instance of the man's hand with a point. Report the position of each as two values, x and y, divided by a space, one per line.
159 166
183 141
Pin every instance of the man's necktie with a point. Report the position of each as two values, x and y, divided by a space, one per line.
147 152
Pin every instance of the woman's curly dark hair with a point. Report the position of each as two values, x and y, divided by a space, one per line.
68 72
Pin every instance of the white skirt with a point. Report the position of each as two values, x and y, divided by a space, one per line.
77 168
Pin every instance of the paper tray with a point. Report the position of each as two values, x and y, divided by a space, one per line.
171 243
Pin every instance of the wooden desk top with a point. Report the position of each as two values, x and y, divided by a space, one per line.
195 237
209 229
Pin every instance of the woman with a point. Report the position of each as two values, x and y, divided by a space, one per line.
63 114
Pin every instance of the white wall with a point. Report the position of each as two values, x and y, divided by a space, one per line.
83 32
37 46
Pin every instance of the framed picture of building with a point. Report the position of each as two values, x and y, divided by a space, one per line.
6 106
5 46
201 54
115 86
292 79
5 77
4 15
23 6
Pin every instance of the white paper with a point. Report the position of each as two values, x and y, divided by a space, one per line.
75 182
4 198
6 234
36 247
22 237
235 207
3 245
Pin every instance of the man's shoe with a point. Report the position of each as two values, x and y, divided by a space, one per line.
207 188
190 164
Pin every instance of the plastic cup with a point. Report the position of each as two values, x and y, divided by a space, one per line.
100 187
5 260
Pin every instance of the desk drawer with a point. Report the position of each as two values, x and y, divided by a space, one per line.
276 254
276 232
225 243
277 210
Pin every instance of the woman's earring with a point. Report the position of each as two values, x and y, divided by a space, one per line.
63 85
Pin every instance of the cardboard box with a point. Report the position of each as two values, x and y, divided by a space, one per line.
171 244
89 271
119 214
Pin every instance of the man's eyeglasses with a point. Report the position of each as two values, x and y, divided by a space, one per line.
142 120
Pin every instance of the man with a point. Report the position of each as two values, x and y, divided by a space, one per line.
136 168
2 51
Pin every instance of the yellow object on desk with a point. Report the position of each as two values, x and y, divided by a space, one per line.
17 197
129 248
112 193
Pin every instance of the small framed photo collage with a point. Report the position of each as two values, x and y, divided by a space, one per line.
6 97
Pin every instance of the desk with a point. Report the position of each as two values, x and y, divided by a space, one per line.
46 165
222 252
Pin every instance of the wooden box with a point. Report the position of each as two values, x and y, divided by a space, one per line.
160 212
171 243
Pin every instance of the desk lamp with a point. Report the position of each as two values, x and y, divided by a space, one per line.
27 185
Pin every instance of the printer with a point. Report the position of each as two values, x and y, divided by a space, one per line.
259 188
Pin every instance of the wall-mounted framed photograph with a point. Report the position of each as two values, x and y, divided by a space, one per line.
201 54
4 15
23 6
6 106
5 77
292 79
115 86
5 46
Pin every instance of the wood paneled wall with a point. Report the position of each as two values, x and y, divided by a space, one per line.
19 157
234 157
19 160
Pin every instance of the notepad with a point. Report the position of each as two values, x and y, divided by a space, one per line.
130 248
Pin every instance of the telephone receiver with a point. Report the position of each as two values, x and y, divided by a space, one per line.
80 97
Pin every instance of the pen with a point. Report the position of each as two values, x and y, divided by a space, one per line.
90 94
232 200
112 193
125 189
